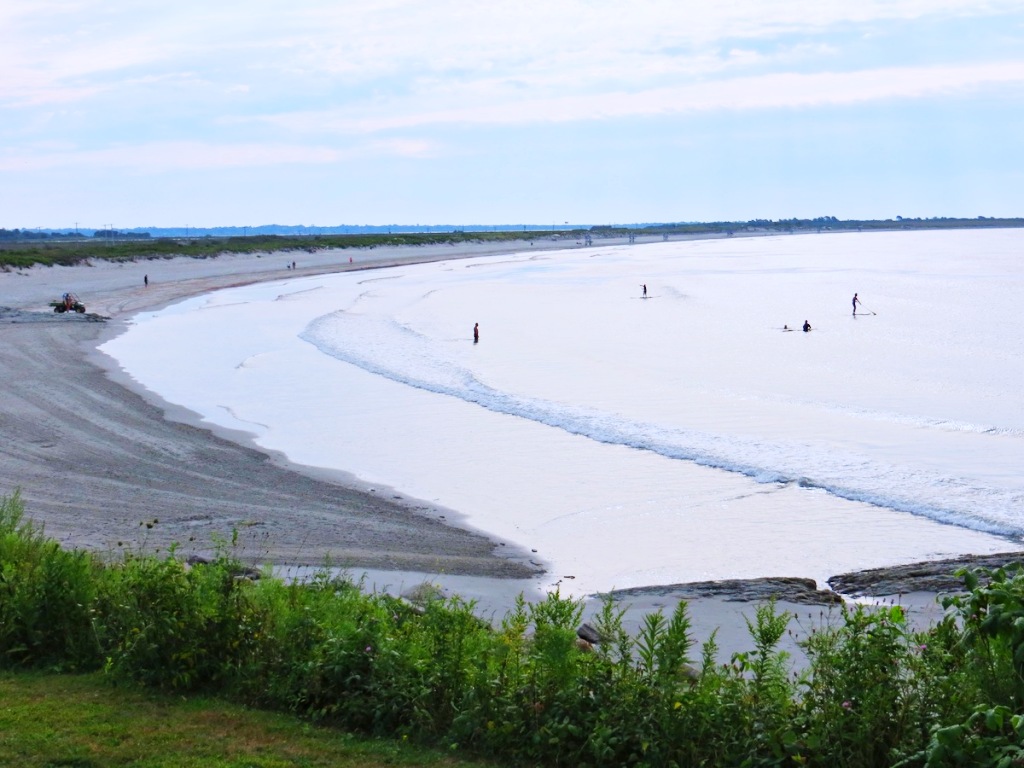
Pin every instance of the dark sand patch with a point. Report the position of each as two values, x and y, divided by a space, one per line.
96 465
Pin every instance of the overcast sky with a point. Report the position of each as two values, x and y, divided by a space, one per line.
324 112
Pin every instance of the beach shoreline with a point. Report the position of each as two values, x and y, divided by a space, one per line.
75 420
105 465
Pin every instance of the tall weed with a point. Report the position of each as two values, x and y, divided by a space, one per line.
992 614
530 691
173 627
859 694
46 598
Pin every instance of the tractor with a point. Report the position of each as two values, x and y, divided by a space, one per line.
68 303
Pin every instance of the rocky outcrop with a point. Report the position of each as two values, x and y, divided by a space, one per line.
933 576
788 589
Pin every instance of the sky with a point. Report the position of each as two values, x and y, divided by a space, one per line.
326 112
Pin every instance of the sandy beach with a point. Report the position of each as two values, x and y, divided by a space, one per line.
105 465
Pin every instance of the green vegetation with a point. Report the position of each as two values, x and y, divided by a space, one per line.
81 721
874 692
25 248
830 224
63 252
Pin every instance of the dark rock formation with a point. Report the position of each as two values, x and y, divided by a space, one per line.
933 576
789 589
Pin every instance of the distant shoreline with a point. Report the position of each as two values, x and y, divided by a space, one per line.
22 248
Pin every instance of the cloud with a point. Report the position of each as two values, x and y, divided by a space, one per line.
404 148
770 91
264 77
58 51
175 156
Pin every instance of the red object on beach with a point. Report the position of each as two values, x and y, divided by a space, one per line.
68 303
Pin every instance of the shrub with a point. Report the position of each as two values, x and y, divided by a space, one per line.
174 627
861 699
990 737
46 598
992 614
529 691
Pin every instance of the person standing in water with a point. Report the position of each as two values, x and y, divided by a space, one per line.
645 290
807 326
476 333
856 301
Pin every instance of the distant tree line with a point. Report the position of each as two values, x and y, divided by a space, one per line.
830 223
819 223
118 235
24 248
36 234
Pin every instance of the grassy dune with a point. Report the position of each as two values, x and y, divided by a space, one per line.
54 252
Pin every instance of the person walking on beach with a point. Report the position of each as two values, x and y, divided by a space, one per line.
856 301
807 326
145 280
476 333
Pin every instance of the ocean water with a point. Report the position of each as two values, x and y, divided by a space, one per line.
624 441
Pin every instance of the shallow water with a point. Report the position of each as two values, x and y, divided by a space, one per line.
634 441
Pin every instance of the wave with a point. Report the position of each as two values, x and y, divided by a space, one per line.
891 417
383 347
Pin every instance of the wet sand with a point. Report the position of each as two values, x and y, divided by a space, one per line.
104 465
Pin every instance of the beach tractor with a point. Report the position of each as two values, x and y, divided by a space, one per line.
68 303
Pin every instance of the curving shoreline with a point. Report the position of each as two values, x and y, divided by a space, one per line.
97 458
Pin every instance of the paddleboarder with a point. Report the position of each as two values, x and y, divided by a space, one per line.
856 301
807 326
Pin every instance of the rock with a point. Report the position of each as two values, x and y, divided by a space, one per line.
787 588
932 576
588 634
424 593
253 574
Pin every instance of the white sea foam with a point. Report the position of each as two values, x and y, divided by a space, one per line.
634 441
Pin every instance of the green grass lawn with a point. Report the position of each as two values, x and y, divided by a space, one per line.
81 721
